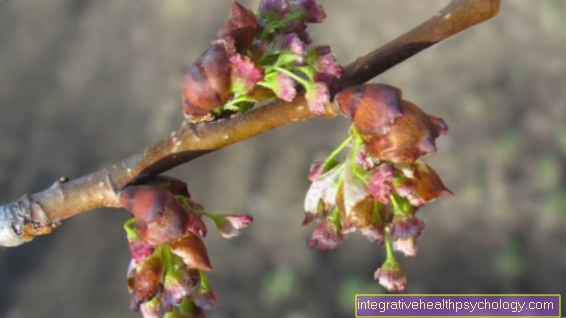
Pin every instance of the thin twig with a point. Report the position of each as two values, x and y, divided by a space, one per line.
37 214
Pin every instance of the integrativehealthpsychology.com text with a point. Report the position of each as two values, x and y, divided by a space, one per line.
457 305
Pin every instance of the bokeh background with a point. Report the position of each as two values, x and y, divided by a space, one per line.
86 83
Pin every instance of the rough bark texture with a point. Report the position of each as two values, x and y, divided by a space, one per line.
84 83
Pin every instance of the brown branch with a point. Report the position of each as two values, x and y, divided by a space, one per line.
37 214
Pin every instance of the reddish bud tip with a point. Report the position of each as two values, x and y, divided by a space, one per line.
192 251
372 107
147 281
241 26
411 136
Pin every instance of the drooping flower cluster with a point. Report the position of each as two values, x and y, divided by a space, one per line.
169 259
257 57
381 184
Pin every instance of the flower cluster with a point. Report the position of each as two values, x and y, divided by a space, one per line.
381 184
169 258
257 57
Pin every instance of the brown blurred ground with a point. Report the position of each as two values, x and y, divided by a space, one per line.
85 83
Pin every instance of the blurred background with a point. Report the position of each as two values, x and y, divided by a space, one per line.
86 83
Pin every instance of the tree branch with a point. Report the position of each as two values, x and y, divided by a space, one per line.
39 213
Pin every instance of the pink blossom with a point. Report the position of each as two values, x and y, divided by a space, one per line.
380 182
245 73
327 236
317 96
391 276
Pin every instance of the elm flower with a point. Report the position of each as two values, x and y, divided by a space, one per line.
312 12
327 235
245 73
390 274
317 96
229 226
274 9
203 296
380 183
406 246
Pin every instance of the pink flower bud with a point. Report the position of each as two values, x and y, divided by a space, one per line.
245 73
230 226
326 236
178 284
374 233
364 159
273 8
312 11
293 51
391 276
204 297
406 225
192 251
140 250
315 170
317 96
284 87
380 182
406 246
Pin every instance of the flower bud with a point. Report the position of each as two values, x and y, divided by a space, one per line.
391 276
406 246
372 107
374 233
311 10
380 183
204 297
147 281
192 251
427 184
159 217
241 26
178 283
364 159
405 225
273 9
317 96
410 137
207 82
326 236
139 248
230 226
245 73
293 51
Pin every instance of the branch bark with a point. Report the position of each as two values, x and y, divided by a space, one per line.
36 214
